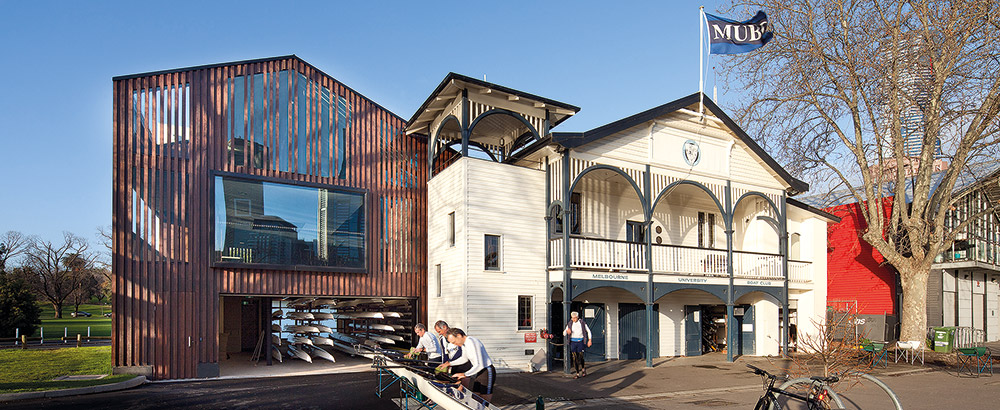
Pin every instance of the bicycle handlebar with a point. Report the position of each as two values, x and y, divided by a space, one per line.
757 370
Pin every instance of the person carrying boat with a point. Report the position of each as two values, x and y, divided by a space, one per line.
579 336
428 346
481 376
449 351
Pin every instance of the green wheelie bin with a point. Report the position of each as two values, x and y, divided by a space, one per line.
944 339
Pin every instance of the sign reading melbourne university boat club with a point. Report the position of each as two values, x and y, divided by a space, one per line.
734 37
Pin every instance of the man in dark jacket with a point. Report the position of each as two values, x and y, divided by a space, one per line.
579 336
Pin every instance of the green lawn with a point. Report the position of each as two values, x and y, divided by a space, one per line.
99 325
34 369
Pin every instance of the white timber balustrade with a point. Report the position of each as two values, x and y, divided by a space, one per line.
799 271
593 253
689 260
756 265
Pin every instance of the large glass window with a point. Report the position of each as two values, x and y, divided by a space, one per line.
259 222
288 122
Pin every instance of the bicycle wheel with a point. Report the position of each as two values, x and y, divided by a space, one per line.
824 397
864 391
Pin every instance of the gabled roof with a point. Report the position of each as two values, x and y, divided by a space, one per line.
253 61
453 80
968 179
577 139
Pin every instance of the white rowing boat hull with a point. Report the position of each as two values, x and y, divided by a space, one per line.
322 316
276 354
302 329
322 354
302 340
323 329
300 316
299 354
359 315
320 340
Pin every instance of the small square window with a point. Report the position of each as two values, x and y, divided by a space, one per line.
491 250
524 313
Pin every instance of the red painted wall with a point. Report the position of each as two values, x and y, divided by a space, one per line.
855 270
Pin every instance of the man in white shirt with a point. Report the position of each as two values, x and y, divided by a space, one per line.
579 335
428 343
481 375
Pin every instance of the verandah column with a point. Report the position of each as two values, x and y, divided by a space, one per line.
566 225
784 272
730 318
647 193
465 123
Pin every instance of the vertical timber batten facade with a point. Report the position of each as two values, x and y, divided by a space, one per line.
275 124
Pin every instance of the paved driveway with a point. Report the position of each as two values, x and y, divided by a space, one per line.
335 391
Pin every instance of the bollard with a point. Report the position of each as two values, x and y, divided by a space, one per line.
24 341
78 340
17 335
65 334
88 333
539 403
41 340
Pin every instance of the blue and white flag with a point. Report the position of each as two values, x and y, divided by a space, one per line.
734 37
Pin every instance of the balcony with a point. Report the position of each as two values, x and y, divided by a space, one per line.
606 254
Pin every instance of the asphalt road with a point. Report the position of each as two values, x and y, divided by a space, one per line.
334 391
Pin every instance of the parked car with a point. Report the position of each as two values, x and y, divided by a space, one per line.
107 314
80 313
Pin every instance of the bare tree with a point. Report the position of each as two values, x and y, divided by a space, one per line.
12 245
858 93
56 270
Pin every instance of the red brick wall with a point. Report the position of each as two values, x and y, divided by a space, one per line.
855 270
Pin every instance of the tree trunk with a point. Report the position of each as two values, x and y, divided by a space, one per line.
913 313
58 308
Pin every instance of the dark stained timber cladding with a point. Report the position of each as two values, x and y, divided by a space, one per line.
173 130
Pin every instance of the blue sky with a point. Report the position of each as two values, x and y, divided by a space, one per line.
611 59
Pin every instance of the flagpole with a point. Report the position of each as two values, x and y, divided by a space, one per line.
701 61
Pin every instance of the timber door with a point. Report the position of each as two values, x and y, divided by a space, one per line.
746 330
594 316
692 330
632 331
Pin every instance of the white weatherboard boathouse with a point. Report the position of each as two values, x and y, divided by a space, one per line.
672 232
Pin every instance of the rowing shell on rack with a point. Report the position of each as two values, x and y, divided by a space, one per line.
320 353
320 340
294 352
300 316
359 315
302 329
322 315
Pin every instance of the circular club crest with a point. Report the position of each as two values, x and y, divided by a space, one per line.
691 152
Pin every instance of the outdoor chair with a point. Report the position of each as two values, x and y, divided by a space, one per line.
975 360
910 351
876 354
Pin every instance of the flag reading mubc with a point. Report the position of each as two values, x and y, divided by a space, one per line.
733 37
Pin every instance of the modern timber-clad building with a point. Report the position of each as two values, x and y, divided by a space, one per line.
246 188
238 184
665 230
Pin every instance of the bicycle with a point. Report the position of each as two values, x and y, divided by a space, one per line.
815 391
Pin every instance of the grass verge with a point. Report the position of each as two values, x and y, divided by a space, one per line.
34 369
71 326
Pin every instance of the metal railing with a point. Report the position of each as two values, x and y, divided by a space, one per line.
592 253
